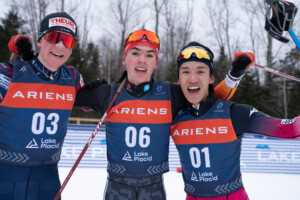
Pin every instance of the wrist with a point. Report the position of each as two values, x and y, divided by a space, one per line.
232 81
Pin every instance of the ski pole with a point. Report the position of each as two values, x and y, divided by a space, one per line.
277 72
296 40
89 141
291 32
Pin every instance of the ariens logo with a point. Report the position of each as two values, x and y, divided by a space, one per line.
200 131
141 111
43 95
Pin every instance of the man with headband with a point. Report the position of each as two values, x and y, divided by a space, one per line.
138 126
36 100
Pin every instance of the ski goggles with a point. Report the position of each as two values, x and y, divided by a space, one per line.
141 34
55 37
194 52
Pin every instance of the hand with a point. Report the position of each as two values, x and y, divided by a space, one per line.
21 44
124 75
241 61
95 83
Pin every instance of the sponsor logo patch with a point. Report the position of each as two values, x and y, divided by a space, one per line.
64 22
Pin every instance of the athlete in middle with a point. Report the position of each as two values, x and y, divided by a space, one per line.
138 126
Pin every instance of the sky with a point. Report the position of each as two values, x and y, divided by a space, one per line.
99 24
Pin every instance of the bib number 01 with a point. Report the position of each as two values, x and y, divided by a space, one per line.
195 155
132 136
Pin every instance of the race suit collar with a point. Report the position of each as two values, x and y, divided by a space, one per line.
203 107
139 90
41 71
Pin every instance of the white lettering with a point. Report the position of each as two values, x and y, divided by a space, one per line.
31 94
49 95
176 133
213 130
45 95
201 131
141 111
125 110
19 94
152 111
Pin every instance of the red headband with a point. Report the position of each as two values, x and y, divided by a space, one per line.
143 42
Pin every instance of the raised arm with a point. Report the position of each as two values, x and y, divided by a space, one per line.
228 86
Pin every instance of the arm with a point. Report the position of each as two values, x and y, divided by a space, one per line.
228 86
6 71
94 98
246 119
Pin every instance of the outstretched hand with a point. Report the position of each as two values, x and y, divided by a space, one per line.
21 44
241 61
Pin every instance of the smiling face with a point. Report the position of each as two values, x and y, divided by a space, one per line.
52 56
194 79
140 62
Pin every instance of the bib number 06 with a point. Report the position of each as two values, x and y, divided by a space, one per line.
132 136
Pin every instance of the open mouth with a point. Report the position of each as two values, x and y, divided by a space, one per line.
193 89
140 69
57 54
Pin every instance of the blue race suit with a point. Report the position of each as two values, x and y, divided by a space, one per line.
209 143
34 112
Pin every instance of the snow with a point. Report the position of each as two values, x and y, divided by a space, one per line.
270 167
89 183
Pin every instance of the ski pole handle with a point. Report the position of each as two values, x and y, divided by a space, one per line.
291 32
13 56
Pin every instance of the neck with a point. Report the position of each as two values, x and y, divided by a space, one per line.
52 69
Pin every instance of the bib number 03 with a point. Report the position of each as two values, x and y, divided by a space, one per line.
39 121
132 136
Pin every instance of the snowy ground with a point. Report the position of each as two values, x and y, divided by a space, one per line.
89 184
270 167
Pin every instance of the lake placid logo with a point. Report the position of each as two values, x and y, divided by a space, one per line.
44 144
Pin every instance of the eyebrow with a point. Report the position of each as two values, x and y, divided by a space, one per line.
149 51
187 67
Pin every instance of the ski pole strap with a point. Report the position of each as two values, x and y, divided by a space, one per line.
283 14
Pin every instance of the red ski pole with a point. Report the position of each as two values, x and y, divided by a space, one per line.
89 141
277 72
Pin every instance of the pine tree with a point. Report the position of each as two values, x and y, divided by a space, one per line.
11 25
291 65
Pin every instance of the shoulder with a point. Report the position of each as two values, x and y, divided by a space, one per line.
8 67
76 75
73 70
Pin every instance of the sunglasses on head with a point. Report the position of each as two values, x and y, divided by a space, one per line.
194 52
140 34
55 37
